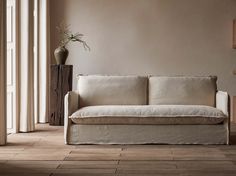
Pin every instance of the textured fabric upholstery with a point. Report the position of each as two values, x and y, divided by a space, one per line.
182 90
71 104
149 114
222 102
112 90
148 134
116 110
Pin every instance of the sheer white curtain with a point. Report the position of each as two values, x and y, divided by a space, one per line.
43 60
26 66
34 63
33 83
2 72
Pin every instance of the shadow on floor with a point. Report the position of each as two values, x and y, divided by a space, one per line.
233 138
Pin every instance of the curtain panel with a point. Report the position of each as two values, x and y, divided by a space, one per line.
43 60
3 72
34 64
26 66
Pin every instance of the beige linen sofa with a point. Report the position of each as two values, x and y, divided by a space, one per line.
146 110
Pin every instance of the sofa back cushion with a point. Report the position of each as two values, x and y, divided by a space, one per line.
182 90
112 90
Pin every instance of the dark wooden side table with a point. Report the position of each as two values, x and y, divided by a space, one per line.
60 84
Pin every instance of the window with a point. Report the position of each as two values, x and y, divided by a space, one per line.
11 66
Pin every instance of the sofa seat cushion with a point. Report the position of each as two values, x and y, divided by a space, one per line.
148 114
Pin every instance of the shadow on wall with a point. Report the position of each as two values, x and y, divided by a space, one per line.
59 12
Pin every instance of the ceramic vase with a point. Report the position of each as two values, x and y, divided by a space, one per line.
61 54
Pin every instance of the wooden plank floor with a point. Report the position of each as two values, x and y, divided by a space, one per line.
43 153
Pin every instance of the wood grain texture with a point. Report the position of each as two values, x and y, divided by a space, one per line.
60 84
43 153
234 33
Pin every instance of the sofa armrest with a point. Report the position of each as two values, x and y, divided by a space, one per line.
222 102
71 104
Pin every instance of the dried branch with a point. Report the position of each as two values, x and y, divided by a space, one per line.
67 36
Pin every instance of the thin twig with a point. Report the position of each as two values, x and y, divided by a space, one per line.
67 36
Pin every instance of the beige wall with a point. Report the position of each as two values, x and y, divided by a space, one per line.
164 37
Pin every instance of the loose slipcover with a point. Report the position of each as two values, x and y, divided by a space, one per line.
112 90
182 90
142 133
149 114
148 134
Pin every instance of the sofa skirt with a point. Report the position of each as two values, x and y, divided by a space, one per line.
147 134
